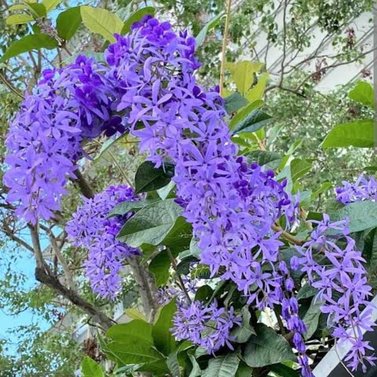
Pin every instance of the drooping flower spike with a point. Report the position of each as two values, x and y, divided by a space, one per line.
44 141
92 229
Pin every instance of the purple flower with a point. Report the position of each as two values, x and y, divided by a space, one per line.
365 188
91 229
208 327
44 139
335 268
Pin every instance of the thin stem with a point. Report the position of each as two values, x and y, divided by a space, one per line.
280 322
122 172
287 236
83 184
10 86
341 361
284 41
181 283
225 42
6 229
61 259
146 292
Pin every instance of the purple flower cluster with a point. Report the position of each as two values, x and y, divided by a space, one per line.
91 229
231 204
365 188
44 140
208 327
335 268
290 313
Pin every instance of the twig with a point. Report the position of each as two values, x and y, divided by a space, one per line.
145 290
16 239
284 41
335 65
122 172
341 361
225 42
10 86
287 236
181 283
84 186
280 322
61 259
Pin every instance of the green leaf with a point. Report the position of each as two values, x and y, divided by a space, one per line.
18 19
89 368
244 112
50 4
159 266
137 16
244 370
325 186
173 364
29 43
245 76
133 313
266 348
359 134
137 328
148 178
132 343
37 10
165 191
235 102
311 318
363 93
253 122
179 237
195 371
204 293
151 224
163 339
306 291
284 371
200 38
101 21
263 157
17 7
362 215
132 351
124 207
223 366
68 22
299 168
242 333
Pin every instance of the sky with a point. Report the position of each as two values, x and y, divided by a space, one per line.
25 265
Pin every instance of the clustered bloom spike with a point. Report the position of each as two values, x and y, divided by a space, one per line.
231 204
44 140
290 313
365 188
335 268
91 229
208 327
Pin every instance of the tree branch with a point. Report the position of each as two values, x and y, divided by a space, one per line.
44 275
13 237
145 290
83 185
225 41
